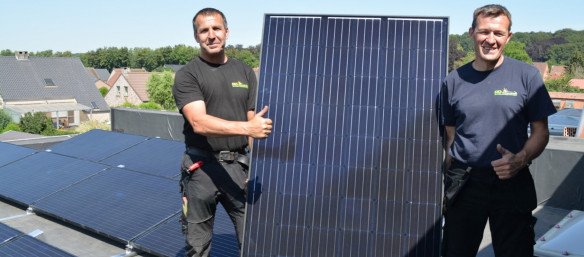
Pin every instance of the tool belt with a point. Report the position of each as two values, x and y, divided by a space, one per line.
454 180
239 156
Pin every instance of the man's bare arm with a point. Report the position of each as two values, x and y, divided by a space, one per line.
207 125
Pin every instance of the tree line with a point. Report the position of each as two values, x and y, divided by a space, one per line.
147 58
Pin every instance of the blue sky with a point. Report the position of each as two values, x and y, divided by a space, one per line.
82 25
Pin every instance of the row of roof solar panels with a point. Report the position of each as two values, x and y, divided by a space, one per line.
117 185
14 243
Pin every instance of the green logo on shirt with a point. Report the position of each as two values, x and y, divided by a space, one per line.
506 92
239 84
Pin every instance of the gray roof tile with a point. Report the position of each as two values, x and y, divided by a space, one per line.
24 80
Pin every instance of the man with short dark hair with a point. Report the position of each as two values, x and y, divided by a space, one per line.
216 96
485 108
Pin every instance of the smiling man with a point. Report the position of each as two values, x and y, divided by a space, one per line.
216 96
485 107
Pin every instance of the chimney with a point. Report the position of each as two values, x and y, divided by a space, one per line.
21 55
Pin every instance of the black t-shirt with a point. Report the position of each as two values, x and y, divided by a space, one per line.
229 92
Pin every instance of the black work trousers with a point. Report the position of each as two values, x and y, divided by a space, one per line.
506 204
215 182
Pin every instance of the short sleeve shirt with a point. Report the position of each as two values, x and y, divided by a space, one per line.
229 92
492 107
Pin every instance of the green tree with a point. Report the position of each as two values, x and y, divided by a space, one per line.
576 65
5 119
181 54
45 53
469 57
465 41
63 54
516 50
128 105
37 123
159 88
563 53
455 52
12 127
103 91
6 52
107 58
146 58
562 84
243 55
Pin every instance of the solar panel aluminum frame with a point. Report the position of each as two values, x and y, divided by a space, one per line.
280 188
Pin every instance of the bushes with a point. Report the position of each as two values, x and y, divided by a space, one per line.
5 119
103 91
150 106
11 127
37 123
562 84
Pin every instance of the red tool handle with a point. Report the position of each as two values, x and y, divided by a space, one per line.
195 166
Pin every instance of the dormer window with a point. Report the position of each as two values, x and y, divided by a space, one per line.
49 83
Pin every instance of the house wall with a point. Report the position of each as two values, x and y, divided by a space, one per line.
117 95
103 117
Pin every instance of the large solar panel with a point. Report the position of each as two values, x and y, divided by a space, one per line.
168 240
26 246
154 156
116 203
12 152
14 243
118 185
96 145
352 167
29 179
7 233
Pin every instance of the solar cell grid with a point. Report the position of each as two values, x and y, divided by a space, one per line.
117 203
154 156
12 153
354 159
7 232
167 239
26 246
36 176
96 145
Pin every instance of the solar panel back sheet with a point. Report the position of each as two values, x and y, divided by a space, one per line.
352 167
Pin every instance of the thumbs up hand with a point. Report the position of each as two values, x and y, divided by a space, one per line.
509 164
258 126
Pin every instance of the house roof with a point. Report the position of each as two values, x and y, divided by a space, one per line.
48 78
136 78
579 83
557 71
100 84
543 69
137 81
100 74
116 73
47 107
